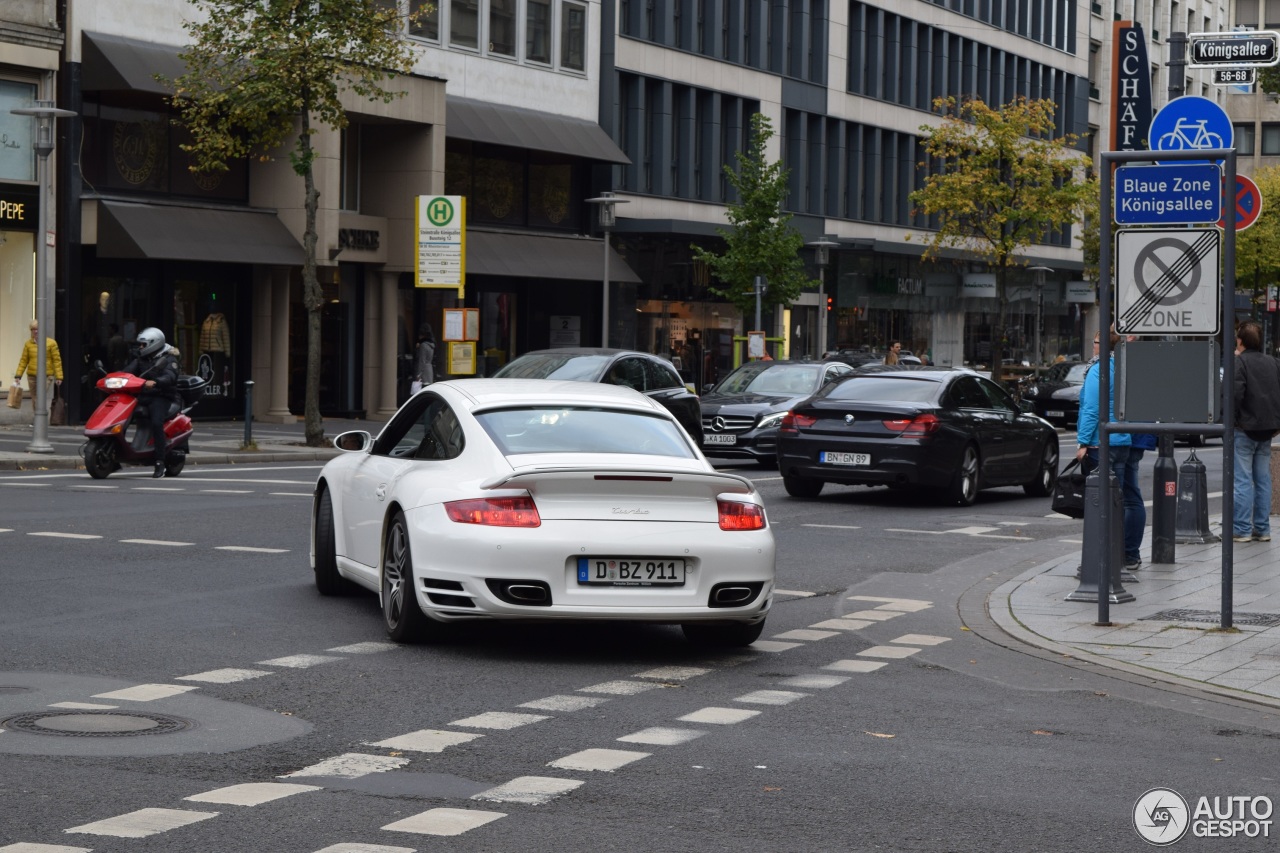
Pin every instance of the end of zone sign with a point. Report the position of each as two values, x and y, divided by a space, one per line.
1168 281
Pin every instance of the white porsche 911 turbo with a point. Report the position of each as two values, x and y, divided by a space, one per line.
541 499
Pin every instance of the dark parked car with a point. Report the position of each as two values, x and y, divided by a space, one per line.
946 430
1055 396
649 374
740 416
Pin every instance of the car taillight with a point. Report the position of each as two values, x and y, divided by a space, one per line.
791 422
495 512
917 426
736 515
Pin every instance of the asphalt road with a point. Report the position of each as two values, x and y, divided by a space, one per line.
573 738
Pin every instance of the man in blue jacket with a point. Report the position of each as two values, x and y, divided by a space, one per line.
1124 461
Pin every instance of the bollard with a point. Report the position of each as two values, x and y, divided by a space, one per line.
1164 503
248 413
1193 504
1096 540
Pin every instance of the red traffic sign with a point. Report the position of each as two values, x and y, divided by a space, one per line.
1247 204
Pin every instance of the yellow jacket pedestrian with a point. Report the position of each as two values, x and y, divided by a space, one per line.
28 364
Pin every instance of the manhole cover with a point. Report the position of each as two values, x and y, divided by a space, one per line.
95 724
1263 620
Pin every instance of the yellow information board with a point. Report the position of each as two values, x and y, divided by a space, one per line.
462 358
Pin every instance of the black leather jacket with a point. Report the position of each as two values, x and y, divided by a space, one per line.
1257 392
163 368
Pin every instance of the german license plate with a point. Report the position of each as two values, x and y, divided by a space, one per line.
832 457
1055 413
630 571
719 438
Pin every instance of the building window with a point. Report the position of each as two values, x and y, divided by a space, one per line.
17 164
1271 140
1244 139
573 36
426 19
349 197
537 33
502 27
464 23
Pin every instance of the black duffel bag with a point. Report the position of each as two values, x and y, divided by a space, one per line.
1068 492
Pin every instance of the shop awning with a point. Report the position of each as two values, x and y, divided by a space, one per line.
520 128
112 63
194 234
538 256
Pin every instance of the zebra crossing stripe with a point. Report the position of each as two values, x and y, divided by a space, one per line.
444 821
143 822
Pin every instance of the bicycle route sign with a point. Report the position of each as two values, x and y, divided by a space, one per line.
1168 281
1171 194
1189 123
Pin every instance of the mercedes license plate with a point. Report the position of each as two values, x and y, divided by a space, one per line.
630 571
832 457
1054 413
719 438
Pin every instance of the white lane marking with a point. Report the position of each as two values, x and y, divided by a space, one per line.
874 615
798 593
25 847
252 550
834 526
350 765
142 823
874 598
530 790
351 847
29 485
921 640
499 720
718 716
673 673
227 491
158 489
88 486
564 703
299 661
85 706
771 697
908 530
292 494
440 822
856 665
251 793
906 605
618 688
894 652
53 535
814 682
662 736
806 635
155 542
773 646
427 740
229 675
976 532
6 529
368 648
841 624
604 760
145 692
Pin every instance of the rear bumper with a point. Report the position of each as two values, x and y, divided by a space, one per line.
891 465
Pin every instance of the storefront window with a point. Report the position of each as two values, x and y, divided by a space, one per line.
17 133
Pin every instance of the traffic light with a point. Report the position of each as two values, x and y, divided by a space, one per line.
828 303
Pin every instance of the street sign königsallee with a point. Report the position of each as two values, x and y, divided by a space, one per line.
1206 50
1169 194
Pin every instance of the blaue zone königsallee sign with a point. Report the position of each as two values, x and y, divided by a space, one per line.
1168 194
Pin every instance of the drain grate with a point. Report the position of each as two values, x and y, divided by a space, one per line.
1262 620
95 724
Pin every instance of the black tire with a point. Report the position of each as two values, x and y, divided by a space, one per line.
328 581
174 464
802 487
100 458
735 634
404 619
1046 472
963 490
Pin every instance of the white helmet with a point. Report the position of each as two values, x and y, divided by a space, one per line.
150 341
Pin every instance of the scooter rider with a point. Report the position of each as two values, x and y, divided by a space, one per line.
157 364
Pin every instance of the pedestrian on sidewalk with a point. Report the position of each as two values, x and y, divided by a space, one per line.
424 371
1124 462
52 365
1256 397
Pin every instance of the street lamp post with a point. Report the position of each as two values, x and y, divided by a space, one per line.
44 113
822 256
1039 282
607 201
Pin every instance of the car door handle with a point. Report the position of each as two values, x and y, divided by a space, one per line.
381 491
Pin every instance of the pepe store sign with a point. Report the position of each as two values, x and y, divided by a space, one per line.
19 207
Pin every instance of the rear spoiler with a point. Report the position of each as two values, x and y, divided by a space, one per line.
723 482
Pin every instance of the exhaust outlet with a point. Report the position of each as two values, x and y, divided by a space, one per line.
527 593
730 595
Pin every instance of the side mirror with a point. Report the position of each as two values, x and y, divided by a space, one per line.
1026 407
355 441
707 389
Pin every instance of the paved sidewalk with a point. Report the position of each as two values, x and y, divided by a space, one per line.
1186 648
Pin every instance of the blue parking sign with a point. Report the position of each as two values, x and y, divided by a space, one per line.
1189 123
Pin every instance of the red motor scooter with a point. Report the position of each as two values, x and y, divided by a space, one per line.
117 437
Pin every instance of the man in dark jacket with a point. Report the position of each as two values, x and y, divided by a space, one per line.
1257 413
155 363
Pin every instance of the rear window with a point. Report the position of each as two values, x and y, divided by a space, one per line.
572 429
884 389
575 368
763 378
